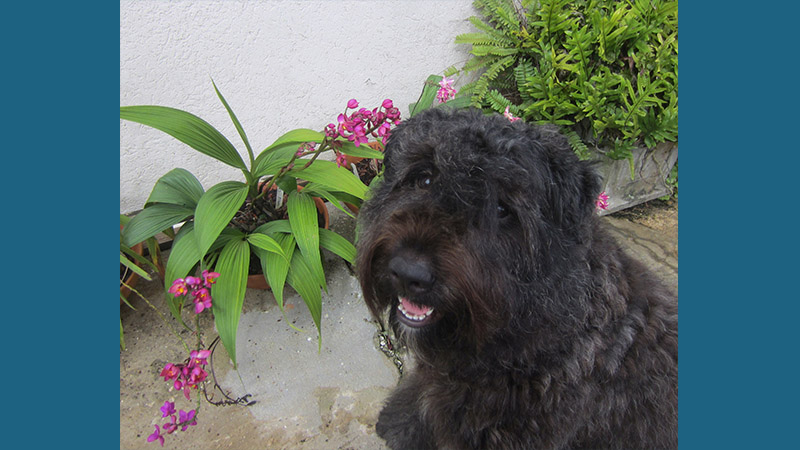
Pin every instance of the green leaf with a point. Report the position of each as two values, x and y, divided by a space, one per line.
269 162
337 244
265 242
305 228
228 292
235 121
183 256
328 174
317 191
187 128
276 268
215 210
302 280
428 95
275 226
151 220
297 136
132 266
177 187
362 151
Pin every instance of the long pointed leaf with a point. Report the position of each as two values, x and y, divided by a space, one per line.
305 228
301 279
132 266
361 151
265 242
276 268
152 220
178 187
228 292
215 210
235 121
337 244
187 128
329 175
270 161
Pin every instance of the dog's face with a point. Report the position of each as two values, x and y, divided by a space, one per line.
473 211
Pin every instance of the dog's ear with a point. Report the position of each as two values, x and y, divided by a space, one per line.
573 197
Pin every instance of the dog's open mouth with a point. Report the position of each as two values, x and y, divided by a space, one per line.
412 314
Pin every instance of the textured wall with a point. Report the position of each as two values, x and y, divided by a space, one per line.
280 64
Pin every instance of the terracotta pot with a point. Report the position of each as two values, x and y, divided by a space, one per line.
259 281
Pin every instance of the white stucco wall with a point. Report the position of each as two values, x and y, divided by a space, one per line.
280 65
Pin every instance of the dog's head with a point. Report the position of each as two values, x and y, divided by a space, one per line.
476 221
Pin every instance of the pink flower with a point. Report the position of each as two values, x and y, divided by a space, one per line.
156 436
187 419
510 116
341 160
170 426
170 371
178 287
352 104
167 409
387 104
330 131
193 282
210 278
446 90
199 357
202 300
602 200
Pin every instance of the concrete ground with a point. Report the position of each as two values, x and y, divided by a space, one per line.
305 398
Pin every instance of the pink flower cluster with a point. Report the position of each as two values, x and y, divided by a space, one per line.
184 420
602 201
187 375
446 90
197 288
362 123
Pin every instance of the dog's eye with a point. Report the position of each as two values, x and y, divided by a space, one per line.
502 210
424 181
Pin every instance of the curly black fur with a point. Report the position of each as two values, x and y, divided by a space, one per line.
542 333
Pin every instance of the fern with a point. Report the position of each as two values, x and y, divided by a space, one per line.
606 66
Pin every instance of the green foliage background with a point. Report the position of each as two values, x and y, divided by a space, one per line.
606 71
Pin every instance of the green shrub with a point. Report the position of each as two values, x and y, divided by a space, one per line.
606 71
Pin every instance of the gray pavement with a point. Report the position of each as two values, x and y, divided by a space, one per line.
306 398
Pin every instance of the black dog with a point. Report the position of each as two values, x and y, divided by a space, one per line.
531 328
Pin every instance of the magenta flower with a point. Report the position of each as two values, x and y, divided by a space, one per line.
156 436
199 357
352 104
167 409
186 419
197 376
602 201
510 116
202 300
170 426
193 282
178 287
330 131
446 90
170 371
387 104
341 161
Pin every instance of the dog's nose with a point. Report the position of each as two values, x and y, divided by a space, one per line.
411 272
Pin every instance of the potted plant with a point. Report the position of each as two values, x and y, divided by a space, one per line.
604 71
224 224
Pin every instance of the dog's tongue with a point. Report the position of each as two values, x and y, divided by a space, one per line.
413 309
